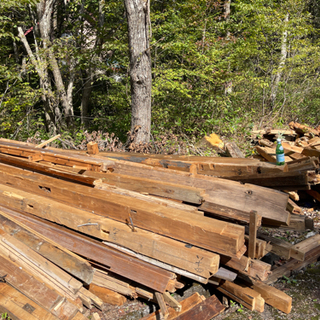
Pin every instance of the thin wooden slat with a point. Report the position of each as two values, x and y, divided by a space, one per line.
43 144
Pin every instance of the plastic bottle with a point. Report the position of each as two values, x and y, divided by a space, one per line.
280 153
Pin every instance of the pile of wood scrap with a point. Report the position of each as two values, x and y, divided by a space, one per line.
89 229
302 155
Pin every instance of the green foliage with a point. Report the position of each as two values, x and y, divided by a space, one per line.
211 72
4 316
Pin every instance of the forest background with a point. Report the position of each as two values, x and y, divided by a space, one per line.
217 66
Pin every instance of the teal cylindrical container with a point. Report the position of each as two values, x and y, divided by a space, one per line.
280 153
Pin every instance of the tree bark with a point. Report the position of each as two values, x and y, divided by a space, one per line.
138 17
283 56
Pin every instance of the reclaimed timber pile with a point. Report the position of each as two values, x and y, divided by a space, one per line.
86 229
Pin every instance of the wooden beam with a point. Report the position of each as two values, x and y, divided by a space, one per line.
194 307
243 295
300 250
92 148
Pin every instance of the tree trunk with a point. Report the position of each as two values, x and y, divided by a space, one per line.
138 17
283 56
85 100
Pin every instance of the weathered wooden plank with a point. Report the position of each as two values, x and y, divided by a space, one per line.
215 235
65 260
163 308
161 248
52 172
67 159
233 150
244 295
159 263
226 213
17 306
41 267
43 144
254 268
158 188
107 295
281 181
36 290
104 280
186 304
299 250
119 263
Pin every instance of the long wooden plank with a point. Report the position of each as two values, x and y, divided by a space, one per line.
36 290
68 262
208 233
119 263
161 248
17 306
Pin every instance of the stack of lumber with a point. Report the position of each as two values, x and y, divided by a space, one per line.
88 229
